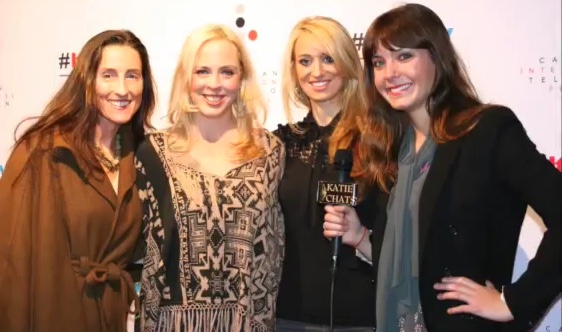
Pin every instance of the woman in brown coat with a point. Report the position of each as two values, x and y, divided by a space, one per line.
70 214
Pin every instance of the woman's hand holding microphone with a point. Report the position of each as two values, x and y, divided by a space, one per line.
342 220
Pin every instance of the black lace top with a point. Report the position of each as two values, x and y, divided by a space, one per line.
304 293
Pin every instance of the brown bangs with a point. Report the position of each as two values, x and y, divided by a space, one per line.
394 31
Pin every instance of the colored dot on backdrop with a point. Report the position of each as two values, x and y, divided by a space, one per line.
253 35
240 22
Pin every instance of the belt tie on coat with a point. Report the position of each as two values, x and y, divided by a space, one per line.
96 274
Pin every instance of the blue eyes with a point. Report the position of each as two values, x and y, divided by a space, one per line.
203 72
325 59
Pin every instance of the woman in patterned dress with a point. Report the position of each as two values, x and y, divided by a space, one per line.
213 224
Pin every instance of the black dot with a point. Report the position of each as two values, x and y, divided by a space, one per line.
240 22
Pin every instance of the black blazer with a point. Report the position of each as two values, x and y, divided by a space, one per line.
472 208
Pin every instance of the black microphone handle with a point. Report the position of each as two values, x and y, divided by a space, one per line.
343 177
343 162
336 242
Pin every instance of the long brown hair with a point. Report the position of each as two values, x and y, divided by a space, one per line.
358 128
73 110
453 103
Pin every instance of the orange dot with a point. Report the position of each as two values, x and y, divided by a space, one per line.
253 35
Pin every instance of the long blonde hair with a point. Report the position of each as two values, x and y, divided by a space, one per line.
250 103
355 127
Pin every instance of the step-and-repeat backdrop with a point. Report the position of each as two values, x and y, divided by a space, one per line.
511 47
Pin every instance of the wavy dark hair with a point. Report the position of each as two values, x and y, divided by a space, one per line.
73 110
453 103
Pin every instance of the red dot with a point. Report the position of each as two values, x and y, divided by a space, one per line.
253 35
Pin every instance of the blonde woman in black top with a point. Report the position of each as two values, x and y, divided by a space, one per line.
322 73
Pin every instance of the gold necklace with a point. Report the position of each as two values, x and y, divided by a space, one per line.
111 163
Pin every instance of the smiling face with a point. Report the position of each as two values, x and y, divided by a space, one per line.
118 85
316 72
404 77
216 79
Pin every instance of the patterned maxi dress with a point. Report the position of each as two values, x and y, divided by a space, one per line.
214 244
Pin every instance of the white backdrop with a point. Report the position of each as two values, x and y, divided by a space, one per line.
512 49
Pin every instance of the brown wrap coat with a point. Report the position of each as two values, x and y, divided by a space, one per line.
65 239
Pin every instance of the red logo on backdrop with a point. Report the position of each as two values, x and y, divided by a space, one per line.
66 62
557 162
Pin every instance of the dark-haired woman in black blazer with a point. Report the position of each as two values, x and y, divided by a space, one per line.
466 173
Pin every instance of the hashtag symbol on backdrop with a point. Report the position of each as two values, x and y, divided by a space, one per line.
64 60
358 40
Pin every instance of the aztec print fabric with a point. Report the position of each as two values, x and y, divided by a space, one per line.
214 244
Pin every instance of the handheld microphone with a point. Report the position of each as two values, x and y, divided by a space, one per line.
340 192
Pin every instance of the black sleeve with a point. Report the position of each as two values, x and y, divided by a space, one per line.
529 173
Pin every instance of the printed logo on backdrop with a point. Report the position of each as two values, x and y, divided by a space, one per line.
357 38
544 72
6 97
66 61
549 328
268 79
240 22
